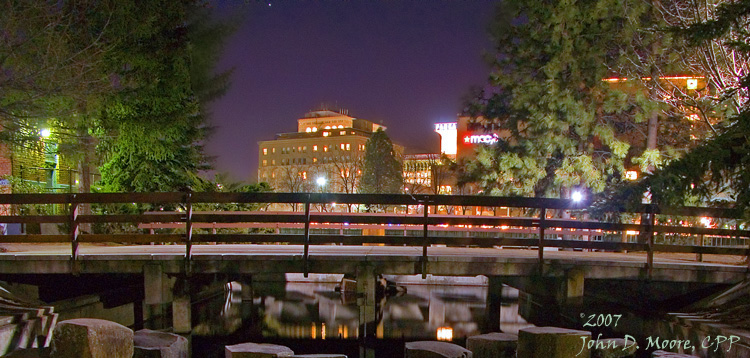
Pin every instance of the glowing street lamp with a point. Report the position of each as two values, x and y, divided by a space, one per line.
577 196
45 133
321 181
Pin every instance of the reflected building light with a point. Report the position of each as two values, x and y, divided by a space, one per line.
323 330
313 331
445 334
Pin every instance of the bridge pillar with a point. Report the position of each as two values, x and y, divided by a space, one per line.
182 314
157 296
368 315
571 290
493 304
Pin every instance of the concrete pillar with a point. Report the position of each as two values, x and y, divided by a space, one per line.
366 302
493 304
435 349
572 288
493 345
157 296
552 342
366 298
181 314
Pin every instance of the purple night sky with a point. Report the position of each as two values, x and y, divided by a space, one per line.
407 64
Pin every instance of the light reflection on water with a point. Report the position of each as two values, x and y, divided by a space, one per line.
311 310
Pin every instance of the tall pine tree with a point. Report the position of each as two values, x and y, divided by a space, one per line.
381 173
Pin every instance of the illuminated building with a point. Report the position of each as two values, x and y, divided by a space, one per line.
427 174
448 135
326 153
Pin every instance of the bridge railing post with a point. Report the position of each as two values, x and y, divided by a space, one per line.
306 254
425 239
74 232
650 244
542 226
188 231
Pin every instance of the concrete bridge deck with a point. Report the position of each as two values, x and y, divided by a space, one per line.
398 260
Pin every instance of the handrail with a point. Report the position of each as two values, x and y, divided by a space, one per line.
193 220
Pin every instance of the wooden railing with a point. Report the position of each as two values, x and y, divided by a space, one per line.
408 212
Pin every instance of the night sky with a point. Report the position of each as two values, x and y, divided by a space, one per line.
405 64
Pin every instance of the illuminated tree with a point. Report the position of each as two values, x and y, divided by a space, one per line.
546 90
382 172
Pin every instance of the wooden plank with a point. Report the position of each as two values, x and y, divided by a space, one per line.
34 238
34 198
34 219
132 218
132 238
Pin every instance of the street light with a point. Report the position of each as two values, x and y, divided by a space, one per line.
45 133
321 181
577 196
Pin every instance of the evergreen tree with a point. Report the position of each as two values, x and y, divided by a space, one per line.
722 164
158 118
123 82
566 126
381 173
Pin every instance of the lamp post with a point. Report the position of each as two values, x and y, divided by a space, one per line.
321 182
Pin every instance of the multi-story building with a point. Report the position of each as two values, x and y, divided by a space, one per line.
325 154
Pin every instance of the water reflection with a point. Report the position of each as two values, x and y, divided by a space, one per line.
317 311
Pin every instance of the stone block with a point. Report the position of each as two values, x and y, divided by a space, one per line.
665 354
91 338
493 345
154 344
324 355
29 353
553 342
181 315
614 348
257 350
435 349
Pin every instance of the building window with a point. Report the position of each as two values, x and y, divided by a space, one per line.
325 134
273 161
265 162
692 83
315 148
308 129
299 149
315 160
315 129
342 146
327 127
304 175
342 133
325 148
348 146
273 150
265 151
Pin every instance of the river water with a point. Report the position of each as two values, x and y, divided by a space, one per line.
312 317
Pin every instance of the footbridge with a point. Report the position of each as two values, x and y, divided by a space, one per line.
172 237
